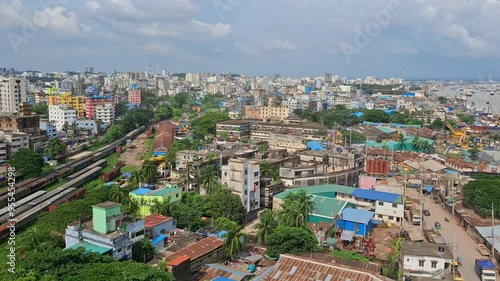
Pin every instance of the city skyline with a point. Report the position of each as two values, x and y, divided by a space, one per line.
412 39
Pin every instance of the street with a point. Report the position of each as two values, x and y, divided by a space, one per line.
451 231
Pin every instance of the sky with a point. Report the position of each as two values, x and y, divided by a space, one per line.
417 39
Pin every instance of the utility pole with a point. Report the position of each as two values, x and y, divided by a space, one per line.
452 200
454 247
422 200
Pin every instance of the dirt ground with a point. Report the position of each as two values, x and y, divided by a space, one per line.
131 156
384 238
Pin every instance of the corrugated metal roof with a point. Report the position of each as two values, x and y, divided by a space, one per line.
328 207
320 189
307 269
357 215
198 249
377 195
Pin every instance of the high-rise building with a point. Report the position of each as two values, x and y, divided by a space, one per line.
134 96
243 179
105 113
94 101
328 79
12 93
76 102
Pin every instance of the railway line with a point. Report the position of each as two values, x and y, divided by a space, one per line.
30 200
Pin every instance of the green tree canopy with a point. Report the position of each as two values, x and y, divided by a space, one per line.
143 251
469 119
291 240
206 124
221 202
163 112
55 148
481 193
41 108
27 162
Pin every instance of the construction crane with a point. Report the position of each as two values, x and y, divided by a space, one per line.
457 134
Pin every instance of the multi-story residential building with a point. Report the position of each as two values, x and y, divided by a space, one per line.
268 112
94 101
14 141
105 113
3 149
61 115
426 260
237 129
91 126
76 102
388 207
289 142
108 231
12 93
134 96
146 197
49 129
24 122
343 99
243 178
260 131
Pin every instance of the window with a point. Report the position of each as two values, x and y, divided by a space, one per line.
394 205
380 216
391 218
421 263
246 172
381 203
434 264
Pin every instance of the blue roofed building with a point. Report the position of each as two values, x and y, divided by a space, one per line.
388 207
147 197
360 222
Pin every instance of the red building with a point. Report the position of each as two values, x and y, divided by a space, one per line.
94 101
134 96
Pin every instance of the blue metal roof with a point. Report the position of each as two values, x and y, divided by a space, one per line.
356 215
358 114
227 270
141 191
376 195
220 278
158 239
428 188
315 145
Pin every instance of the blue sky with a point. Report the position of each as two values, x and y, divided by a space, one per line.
355 38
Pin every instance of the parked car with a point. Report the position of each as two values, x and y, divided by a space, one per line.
426 212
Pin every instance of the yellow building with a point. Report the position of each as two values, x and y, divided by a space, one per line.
268 112
76 102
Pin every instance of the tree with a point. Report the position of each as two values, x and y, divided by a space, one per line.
163 112
269 171
206 124
116 194
233 243
291 240
401 142
425 146
376 115
163 208
135 178
55 148
221 202
143 251
296 208
133 206
41 108
209 176
416 143
469 119
27 162
442 100
474 152
149 172
266 225
437 124
481 193
120 109
188 216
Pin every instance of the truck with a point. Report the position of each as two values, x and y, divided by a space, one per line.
485 269
482 250
416 216
408 204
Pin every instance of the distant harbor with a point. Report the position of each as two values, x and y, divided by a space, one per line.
479 96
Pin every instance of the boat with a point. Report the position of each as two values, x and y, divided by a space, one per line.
492 93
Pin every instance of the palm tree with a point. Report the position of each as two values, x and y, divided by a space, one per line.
156 206
208 177
135 178
296 208
292 215
65 128
401 142
416 143
149 172
133 206
116 194
266 225
163 208
233 243
425 146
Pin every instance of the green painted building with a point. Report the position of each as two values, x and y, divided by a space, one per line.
105 217
146 197
327 209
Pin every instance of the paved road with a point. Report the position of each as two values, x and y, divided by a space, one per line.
451 231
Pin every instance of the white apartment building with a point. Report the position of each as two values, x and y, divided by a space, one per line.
427 260
12 93
105 113
13 142
3 148
243 178
62 114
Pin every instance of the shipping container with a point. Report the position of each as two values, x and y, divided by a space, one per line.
377 167
111 175
118 149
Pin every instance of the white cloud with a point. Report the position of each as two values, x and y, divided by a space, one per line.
92 6
461 34
246 49
58 19
10 16
158 48
218 30
279 45
156 30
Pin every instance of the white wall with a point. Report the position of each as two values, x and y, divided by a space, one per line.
411 264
